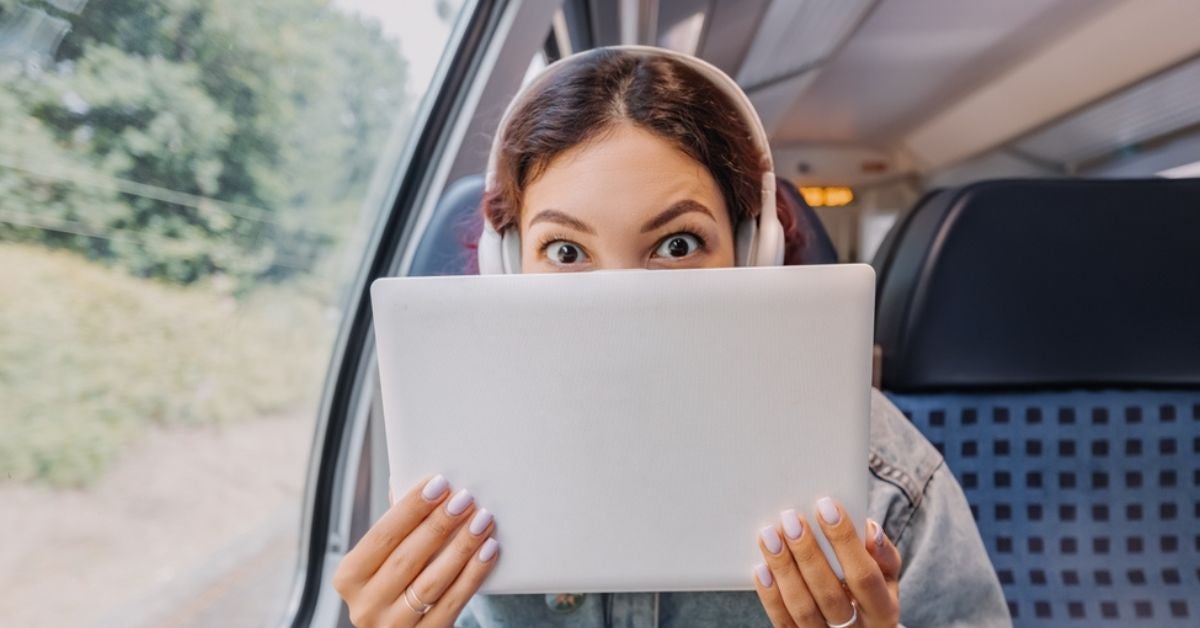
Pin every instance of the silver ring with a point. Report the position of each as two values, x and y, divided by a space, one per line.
421 608
853 618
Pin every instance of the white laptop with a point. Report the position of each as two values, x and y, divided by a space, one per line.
631 430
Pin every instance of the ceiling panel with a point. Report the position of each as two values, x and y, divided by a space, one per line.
730 32
1151 109
909 58
797 34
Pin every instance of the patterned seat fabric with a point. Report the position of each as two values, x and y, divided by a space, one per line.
1042 335
1088 502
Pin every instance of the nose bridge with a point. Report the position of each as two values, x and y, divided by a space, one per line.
624 262
621 252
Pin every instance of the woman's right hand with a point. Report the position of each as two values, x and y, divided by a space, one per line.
399 567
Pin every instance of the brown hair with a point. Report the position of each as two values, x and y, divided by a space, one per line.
658 94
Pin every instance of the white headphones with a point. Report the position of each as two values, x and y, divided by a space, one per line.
758 242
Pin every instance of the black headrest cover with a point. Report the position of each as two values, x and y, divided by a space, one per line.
1046 283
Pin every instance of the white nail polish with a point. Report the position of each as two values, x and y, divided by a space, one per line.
791 524
771 539
878 533
434 488
459 502
480 521
489 549
829 511
764 575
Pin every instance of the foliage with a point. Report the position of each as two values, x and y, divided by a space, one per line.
213 156
188 138
127 352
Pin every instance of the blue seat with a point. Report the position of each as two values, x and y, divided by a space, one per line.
447 246
1045 336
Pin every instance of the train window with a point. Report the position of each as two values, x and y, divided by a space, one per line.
183 202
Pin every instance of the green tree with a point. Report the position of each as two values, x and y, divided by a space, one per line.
237 136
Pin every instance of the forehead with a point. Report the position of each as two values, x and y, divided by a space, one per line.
624 168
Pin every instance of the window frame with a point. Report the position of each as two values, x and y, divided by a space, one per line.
352 365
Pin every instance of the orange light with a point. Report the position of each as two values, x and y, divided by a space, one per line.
830 196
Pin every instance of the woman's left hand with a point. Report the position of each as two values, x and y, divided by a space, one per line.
797 586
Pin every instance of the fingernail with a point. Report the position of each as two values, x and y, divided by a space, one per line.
459 502
878 533
791 524
771 539
489 549
829 511
480 521
434 487
764 575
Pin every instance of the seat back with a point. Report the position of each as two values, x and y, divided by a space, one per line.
448 244
1043 335
886 253
818 246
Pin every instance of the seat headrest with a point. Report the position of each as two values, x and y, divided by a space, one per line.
1045 283
818 247
886 253
447 247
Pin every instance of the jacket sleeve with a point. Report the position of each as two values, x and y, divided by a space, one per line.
466 619
947 578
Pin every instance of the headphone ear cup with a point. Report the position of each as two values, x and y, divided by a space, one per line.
490 251
499 253
769 242
746 243
510 249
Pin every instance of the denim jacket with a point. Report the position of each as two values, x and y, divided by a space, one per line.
946 579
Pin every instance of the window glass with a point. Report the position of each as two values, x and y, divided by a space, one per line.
185 189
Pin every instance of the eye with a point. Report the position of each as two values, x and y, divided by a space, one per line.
564 253
678 246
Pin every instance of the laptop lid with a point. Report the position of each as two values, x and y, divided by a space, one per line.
631 430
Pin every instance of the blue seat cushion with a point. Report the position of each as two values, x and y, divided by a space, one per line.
1088 502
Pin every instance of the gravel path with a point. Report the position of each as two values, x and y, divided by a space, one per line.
180 532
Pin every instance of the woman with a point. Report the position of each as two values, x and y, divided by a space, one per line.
642 158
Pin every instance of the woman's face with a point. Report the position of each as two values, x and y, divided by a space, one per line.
626 199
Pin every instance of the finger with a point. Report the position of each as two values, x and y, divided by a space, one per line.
792 588
387 533
881 548
772 600
455 599
823 584
433 581
863 576
414 552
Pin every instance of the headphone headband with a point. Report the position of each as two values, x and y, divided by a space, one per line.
757 242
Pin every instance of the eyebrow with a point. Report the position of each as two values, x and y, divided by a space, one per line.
675 211
562 218
671 213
